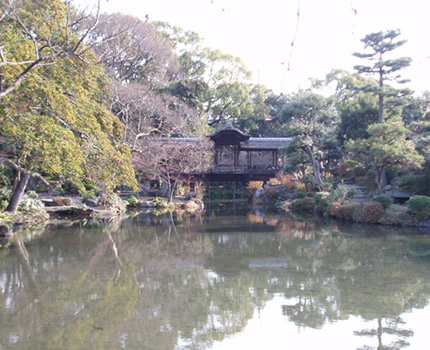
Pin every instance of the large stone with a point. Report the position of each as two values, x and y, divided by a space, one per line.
260 193
5 231
399 194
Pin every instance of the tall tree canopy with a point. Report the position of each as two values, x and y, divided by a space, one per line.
380 44
309 118
386 145
56 122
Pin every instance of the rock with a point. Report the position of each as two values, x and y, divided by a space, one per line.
5 231
424 223
146 204
260 193
283 193
91 202
48 202
281 204
399 194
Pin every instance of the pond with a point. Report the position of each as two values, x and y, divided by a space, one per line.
216 281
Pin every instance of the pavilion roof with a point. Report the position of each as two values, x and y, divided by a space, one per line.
266 143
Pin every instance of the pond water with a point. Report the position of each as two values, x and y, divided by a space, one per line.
216 282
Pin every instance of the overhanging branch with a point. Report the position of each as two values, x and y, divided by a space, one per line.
15 166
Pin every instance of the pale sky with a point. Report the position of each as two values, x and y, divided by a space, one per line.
261 31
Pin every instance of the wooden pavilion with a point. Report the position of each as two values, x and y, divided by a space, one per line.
240 157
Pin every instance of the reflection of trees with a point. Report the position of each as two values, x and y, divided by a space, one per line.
368 276
63 300
157 286
392 329
180 300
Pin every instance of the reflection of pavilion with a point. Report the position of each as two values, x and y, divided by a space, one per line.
240 157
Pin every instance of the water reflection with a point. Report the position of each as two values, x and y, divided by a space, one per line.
196 283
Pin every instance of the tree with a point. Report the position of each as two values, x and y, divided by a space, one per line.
356 108
309 119
217 83
172 160
56 121
132 51
380 44
28 42
387 145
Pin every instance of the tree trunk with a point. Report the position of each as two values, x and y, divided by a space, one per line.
381 97
379 178
316 168
18 193
172 190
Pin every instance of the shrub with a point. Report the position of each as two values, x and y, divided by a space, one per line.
253 186
342 193
307 204
32 210
301 187
419 205
287 181
346 212
5 188
160 203
303 205
333 208
62 201
300 195
322 202
28 204
90 195
384 200
357 215
114 202
270 192
132 201
372 212
395 215
67 201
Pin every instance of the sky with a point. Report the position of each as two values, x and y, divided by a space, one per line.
325 33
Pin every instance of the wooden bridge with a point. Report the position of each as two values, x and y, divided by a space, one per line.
236 156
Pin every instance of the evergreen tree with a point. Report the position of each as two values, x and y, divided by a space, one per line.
380 44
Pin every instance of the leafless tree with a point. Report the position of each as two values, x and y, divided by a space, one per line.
172 160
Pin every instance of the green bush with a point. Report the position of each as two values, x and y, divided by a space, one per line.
322 202
384 200
32 210
303 205
300 195
113 201
29 204
372 212
132 201
395 215
346 212
332 209
342 193
5 187
419 205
